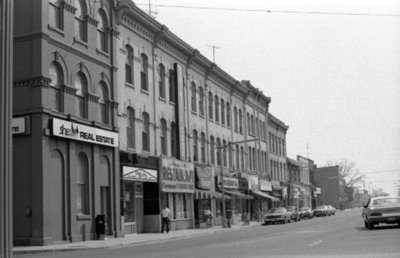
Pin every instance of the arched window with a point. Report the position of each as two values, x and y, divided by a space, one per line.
80 20
222 112
230 156
146 132
240 122
224 153
129 65
143 72
219 156
172 85
195 146
216 104
252 125
249 159
102 30
212 149
203 147
57 79
81 91
161 82
241 158
130 129
235 119
256 127
228 114
248 124
210 105
82 185
103 101
194 104
201 101
174 150
164 148
237 157
55 14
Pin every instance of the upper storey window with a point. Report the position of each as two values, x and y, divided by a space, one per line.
129 65
216 109
172 86
102 29
81 91
194 97
55 14
222 112
210 105
80 20
201 101
143 73
103 101
161 82
56 77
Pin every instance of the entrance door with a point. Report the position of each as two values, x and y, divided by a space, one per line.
105 206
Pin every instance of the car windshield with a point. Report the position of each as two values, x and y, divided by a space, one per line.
276 210
386 202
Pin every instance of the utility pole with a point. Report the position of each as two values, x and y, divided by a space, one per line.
214 47
224 224
6 85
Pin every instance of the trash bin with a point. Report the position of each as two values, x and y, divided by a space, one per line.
100 225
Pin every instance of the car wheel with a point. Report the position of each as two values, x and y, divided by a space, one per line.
365 224
370 225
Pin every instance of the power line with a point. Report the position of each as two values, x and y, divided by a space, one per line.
382 171
275 11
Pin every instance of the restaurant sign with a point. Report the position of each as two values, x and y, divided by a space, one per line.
265 185
177 176
79 132
229 183
204 177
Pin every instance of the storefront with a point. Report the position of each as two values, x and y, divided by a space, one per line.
140 200
264 195
177 187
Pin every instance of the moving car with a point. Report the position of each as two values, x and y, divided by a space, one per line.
321 210
381 210
332 210
294 213
277 215
306 212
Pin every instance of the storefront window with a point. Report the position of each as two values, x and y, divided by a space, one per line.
129 203
179 205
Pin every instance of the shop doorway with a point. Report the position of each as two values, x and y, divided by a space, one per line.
151 208
105 207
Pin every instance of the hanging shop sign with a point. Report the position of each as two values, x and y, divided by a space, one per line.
265 185
139 174
79 132
19 125
284 192
177 176
276 184
252 180
229 183
204 177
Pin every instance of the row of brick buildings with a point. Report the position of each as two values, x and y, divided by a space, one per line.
116 115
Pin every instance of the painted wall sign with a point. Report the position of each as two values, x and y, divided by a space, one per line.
18 125
177 176
229 183
265 185
204 177
253 181
139 174
79 132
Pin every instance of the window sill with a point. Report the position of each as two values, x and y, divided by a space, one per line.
130 149
130 85
202 116
83 217
101 52
80 42
57 30
172 103
162 99
146 92
194 113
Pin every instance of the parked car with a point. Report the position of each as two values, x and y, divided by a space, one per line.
332 210
277 215
381 210
321 210
294 213
306 212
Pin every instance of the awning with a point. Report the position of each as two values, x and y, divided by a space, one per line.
205 194
239 194
263 195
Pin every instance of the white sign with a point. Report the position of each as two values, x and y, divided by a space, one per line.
74 131
177 176
139 174
265 185
18 125
229 183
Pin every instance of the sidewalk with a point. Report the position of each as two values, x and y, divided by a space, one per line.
128 240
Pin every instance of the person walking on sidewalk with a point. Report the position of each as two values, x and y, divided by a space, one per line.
165 213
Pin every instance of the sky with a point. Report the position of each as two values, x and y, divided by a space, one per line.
331 68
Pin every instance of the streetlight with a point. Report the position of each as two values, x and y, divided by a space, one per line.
224 225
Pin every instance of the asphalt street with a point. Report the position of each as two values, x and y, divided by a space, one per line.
342 235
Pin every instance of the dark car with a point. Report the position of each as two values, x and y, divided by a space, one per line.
277 215
306 212
321 210
294 213
381 210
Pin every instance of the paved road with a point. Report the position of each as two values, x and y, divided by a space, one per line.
342 235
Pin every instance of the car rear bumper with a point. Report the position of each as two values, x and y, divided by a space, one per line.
386 218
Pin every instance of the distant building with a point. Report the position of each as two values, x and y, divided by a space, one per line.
327 178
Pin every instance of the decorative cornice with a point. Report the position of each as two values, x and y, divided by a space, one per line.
68 7
160 34
114 33
93 98
192 57
114 104
92 20
210 69
39 81
69 90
